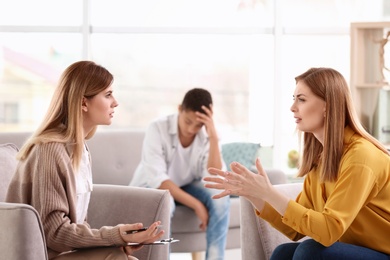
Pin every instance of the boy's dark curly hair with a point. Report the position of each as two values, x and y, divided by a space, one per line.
195 98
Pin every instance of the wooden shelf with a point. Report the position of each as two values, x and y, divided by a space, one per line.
372 85
367 46
371 25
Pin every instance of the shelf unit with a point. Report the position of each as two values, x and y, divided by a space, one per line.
366 80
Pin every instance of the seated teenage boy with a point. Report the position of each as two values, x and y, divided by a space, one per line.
177 151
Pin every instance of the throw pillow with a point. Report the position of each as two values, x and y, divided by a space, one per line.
242 152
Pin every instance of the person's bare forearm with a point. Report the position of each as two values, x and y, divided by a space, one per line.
178 194
276 199
214 159
256 203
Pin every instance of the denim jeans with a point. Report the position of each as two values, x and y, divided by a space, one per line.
218 224
310 249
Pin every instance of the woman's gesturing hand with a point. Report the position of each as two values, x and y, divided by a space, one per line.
240 181
254 187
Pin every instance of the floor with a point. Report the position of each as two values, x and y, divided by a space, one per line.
231 254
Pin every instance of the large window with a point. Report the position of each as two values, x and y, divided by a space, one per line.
246 52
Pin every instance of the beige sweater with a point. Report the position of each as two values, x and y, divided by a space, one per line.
46 181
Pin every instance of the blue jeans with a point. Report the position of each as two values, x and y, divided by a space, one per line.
310 249
218 223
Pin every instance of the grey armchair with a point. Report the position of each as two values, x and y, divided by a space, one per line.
258 238
113 204
22 235
21 228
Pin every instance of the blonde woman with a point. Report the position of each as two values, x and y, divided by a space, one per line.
344 206
54 173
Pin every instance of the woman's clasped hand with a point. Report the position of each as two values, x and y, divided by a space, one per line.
151 234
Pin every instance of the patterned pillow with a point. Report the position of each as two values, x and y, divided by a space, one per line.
7 166
244 153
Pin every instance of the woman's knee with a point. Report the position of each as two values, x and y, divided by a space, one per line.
284 251
309 249
301 251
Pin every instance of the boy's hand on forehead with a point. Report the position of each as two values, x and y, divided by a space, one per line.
209 111
207 120
204 117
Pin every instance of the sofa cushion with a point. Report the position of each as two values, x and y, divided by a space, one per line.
115 155
7 166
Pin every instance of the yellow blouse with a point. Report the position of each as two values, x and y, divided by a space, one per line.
355 209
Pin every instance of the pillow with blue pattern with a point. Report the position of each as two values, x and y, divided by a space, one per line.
242 152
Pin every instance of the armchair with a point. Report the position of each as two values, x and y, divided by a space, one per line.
113 204
22 234
258 237
21 228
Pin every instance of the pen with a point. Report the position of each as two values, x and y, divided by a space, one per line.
138 230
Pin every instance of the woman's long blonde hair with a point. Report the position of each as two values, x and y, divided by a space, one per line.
329 85
63 121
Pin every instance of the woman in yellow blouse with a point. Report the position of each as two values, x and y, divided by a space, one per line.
345 202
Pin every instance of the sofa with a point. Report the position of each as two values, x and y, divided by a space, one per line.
115 155
258 237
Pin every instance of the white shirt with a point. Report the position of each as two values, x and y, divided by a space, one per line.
83 186
179 171
159 149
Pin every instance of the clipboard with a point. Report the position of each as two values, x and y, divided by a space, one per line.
160 242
